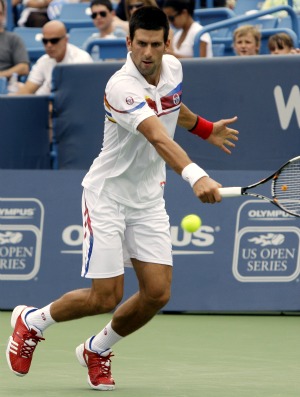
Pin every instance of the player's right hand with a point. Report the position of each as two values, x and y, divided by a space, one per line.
207 190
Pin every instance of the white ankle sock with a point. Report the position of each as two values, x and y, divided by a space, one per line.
104 340
40 318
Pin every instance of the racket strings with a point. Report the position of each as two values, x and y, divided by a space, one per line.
286 187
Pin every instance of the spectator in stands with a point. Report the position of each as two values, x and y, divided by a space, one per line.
281 44
122 12
13 55
246 40
34 13
267 4
180 15
132 5
58 50
105 20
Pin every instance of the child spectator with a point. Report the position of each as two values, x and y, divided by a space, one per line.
281 44
246 40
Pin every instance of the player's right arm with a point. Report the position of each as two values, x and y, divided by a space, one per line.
205 188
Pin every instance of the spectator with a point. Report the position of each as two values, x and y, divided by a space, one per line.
216 3
267 4
246 40
34 13
105 20
133 5
180 15
13 55
122 13
58 50
281 44
107 23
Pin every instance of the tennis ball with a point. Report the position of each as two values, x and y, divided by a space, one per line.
191 223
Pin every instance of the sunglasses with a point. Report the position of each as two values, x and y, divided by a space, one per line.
171 18
136 5
102 14
55 40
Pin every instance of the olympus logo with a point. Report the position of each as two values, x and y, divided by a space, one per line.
183 243
21 230
265 214
11 213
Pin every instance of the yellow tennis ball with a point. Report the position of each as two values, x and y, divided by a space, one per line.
191 223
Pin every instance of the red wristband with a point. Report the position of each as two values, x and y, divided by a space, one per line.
202 128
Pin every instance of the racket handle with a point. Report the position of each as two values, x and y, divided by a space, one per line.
230 191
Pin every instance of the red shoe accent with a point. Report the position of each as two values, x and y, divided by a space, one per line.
21 346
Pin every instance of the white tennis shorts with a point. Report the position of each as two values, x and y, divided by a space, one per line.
113 233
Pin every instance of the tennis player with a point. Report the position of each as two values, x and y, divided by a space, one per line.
124 214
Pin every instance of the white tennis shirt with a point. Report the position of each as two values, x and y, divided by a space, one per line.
128 168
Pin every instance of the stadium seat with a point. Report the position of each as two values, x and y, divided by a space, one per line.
78 36
206 16
218 50
32 38
243 6
3 85
107 48
76 15
262 23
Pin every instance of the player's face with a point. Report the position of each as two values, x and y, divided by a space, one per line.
246 45
147 49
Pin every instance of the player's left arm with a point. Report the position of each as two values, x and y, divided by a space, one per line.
218 133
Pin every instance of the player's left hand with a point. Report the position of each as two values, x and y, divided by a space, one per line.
224 136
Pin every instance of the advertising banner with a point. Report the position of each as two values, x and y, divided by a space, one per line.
244 258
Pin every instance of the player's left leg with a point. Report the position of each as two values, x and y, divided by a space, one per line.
154 293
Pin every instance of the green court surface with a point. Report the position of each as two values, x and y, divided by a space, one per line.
174 355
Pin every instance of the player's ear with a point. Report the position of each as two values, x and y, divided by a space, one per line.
128 43
167 45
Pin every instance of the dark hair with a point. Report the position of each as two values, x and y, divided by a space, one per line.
106 3
3 5
149 18
280 40
180 5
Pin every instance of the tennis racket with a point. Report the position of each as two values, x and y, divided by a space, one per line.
285 188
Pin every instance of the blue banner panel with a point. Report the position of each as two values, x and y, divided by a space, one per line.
24 132
257 89
244 258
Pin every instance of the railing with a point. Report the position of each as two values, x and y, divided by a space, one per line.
236 20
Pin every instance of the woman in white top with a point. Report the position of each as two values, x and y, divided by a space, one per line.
180 15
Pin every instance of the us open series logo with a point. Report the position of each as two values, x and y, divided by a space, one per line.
266 245
21 230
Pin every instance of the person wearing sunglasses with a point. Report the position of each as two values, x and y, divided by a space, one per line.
180 15
58 50
105 20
